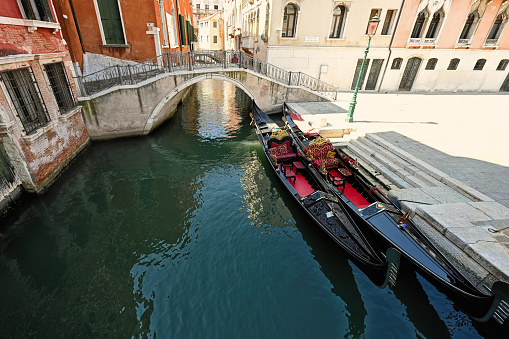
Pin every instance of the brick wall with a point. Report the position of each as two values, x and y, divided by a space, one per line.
17 40
47 151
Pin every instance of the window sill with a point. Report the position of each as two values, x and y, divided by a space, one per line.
334 39
31 138
69 114
29 23
115 45
288 38
5 127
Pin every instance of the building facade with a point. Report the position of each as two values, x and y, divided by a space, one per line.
134 30
450 45
414 45
211 32
41 128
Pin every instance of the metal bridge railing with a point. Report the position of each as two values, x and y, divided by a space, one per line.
189 61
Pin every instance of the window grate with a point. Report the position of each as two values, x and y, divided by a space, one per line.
479 65
432 63
26 97
453 65
60 86
502 64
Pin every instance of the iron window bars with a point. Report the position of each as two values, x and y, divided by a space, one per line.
26 97
60 85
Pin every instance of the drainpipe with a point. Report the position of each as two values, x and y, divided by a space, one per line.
390 44
77 26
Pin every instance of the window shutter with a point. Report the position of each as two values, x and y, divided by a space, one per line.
112 24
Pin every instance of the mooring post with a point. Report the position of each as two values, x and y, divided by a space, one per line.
290 79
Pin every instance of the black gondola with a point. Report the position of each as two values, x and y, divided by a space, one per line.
386 226
319 201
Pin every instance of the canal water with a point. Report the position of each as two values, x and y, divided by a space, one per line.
186 233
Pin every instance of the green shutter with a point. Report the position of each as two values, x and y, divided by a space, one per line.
182 30
112 24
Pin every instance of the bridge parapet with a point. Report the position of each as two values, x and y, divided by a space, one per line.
183 62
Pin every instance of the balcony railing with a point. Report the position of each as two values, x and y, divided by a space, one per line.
464 42
429 41
422 42
491 42
414 42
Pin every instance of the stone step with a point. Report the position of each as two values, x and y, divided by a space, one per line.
390 165
386 172
402 163
431 171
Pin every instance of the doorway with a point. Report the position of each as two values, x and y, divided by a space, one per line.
412 66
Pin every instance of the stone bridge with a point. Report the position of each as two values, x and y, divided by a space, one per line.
132 101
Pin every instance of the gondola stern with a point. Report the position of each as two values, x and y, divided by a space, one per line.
499 309
393 257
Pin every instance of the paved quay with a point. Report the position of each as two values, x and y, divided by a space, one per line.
444 157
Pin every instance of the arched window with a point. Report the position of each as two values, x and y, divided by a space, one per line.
434 26
431 64
267 17
453 65
502 65
496 28
396 63
338 20
418 26
466 33
289 21
479 65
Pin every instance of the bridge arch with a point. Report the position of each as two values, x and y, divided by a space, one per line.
163 104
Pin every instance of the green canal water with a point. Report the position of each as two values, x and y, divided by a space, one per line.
186 233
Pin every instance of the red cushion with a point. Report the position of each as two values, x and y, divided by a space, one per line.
277 150
329 163
285 146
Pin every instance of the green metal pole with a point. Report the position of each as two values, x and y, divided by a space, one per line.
354 99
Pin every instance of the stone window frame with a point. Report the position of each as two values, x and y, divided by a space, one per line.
431 64
31 11
502 65
479 64
343 21
387 27
101 30
396 63
32 92
453 64
424 15
59 94
296 20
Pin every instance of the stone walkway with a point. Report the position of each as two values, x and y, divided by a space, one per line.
461 142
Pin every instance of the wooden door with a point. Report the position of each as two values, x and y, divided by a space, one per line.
411 69
357 71
374 72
